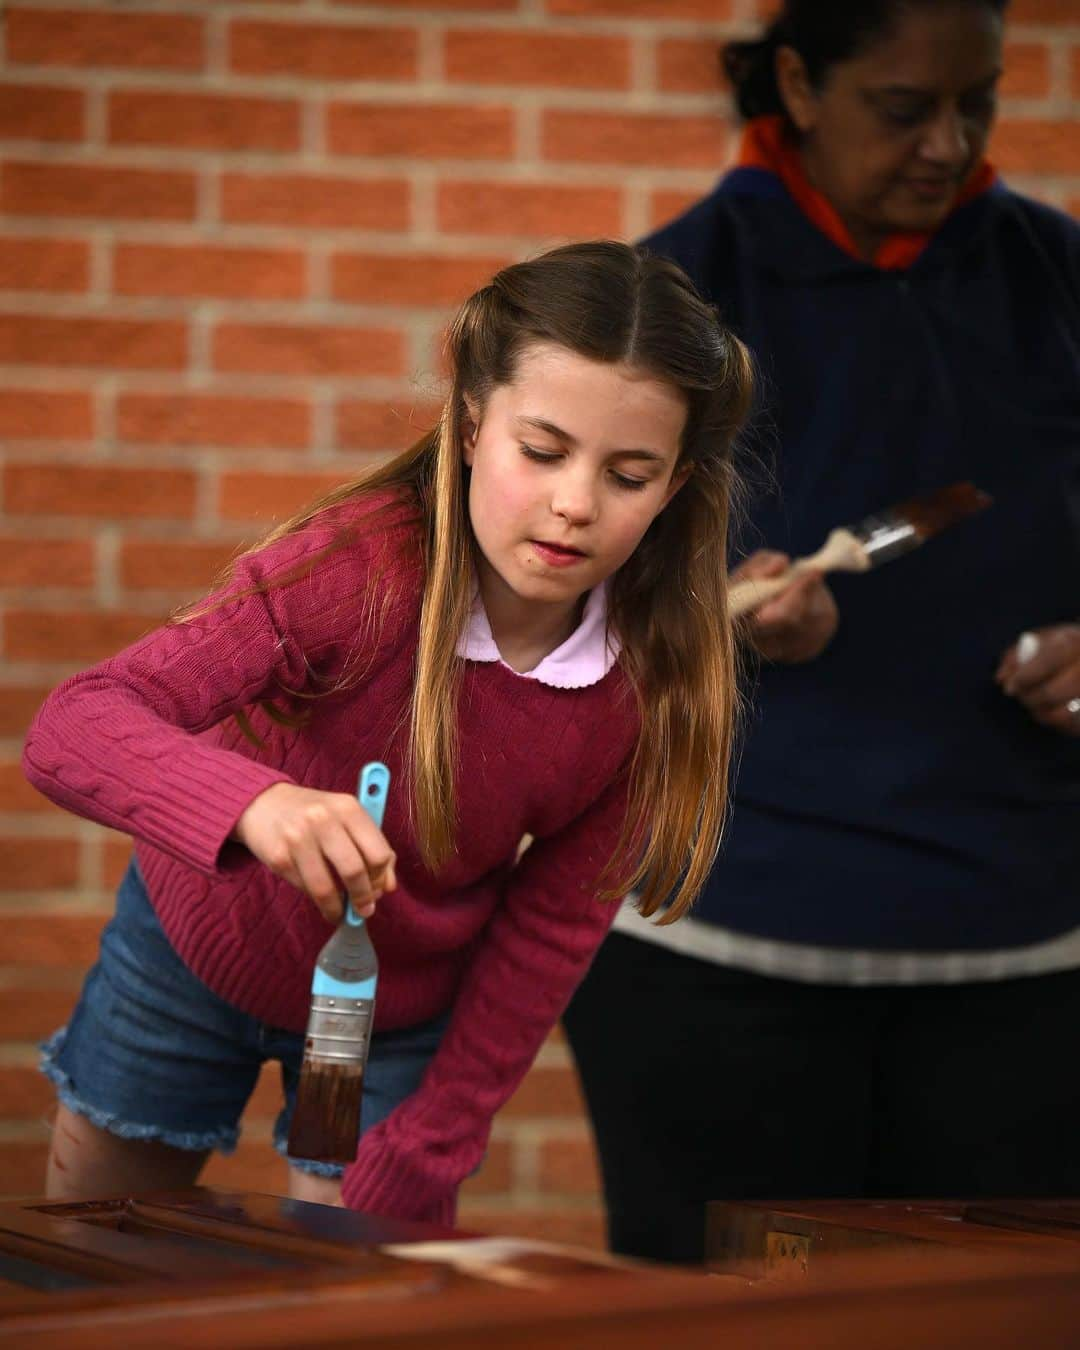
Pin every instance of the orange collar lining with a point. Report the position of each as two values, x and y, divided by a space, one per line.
766 144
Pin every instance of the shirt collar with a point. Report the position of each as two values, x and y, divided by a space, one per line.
583 659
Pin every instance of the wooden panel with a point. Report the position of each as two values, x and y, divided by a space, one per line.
264 1273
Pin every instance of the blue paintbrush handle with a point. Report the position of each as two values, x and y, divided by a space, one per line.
371 793
373 787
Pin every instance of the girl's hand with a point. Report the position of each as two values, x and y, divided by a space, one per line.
1042 671
319 841
796 625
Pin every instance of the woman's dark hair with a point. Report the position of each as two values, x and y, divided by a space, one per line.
823 32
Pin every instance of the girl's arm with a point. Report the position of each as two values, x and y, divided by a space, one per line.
536 950
119 743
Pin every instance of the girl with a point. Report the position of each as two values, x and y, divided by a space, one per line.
524 616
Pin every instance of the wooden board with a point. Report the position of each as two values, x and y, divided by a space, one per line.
200 1268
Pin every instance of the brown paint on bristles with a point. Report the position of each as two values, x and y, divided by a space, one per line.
937 510
326 1119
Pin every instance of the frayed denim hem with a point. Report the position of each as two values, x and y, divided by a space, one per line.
223 1139
308 1165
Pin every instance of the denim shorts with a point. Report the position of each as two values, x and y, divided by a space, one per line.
152 1053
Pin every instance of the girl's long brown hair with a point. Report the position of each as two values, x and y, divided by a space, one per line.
614 303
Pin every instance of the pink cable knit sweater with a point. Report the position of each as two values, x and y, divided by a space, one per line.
145 743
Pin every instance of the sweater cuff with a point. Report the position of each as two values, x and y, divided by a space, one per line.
217 788
394 1187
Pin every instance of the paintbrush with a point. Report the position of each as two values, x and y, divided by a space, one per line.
877 539
326 1117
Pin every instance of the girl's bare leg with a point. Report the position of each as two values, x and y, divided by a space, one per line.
319 1190
85 1161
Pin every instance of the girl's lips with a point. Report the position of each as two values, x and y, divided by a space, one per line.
556 555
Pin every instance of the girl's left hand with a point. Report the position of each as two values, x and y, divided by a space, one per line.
1042 671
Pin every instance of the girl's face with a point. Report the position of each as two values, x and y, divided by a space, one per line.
571 463
896 130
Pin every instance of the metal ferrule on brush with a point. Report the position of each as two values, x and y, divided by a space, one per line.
339 1028
343 995
886 536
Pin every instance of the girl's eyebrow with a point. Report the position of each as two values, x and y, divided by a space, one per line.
542 424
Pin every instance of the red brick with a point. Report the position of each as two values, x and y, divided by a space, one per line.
569 1166
368 424
668 203
44 265
115 857
203 121
1076 72
1027 70
547 1091
578 1227
17 795
712 11
454 5
24 1092
688 65
569 60
214 420
49 941
269 497
496 1172
31 1013
1043 11
18 704
70 37
253 1167
323 51
307 201
46 864
71 636
172 565
308 349
92 190
46 562
106 492
139 344
423 130
22 1167
188 269
409 278
544 210
1040 147
45 414
677 142
30 112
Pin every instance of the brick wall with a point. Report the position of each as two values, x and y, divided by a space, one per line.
230 233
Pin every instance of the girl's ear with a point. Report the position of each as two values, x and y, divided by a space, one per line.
795 88
470 425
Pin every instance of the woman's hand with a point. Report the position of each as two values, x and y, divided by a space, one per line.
314 838
1042 671
796 625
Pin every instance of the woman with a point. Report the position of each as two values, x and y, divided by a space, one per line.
879 991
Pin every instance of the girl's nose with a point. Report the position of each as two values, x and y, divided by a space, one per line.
575 499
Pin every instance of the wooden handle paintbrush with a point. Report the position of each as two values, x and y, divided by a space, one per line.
326 1117
877 539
